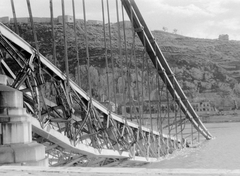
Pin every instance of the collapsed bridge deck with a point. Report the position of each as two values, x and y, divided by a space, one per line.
78 129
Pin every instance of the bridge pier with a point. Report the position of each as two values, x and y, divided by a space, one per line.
16 145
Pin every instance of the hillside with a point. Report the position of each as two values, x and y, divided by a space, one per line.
209 69
206 69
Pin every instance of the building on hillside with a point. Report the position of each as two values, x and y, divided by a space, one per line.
127 24
225 108
4 20
41 20
203 107
96 22
130 107
68 19
21 20
164 106
79 20
146 107
223 37
35 20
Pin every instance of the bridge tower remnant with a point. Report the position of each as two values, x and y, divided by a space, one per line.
16 145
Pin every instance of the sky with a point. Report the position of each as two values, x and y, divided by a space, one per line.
194 18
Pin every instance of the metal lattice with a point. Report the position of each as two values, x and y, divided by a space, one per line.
76 128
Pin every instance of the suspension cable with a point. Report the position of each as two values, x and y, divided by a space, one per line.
168 115
181 127
120 47
142 91
126 61
149 94
34 31
131 59
53 34
175 114
110 42
159 114
14 17
76 42
38 70
65 45
129 85
87 50
131 97
136 70
106 52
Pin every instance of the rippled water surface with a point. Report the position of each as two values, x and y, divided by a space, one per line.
222 152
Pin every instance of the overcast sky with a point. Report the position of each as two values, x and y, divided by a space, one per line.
194 18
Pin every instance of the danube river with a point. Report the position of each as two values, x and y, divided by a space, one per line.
222 152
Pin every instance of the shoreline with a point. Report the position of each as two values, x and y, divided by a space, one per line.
108 171
221 118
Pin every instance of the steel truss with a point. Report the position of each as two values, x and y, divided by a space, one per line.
75 128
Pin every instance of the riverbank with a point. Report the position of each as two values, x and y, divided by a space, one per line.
224 116
77 171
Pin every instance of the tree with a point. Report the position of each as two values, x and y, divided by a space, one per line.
165 29
175 31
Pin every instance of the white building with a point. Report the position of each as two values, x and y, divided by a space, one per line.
68 19
94 22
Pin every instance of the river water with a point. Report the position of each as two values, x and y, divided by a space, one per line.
222 152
